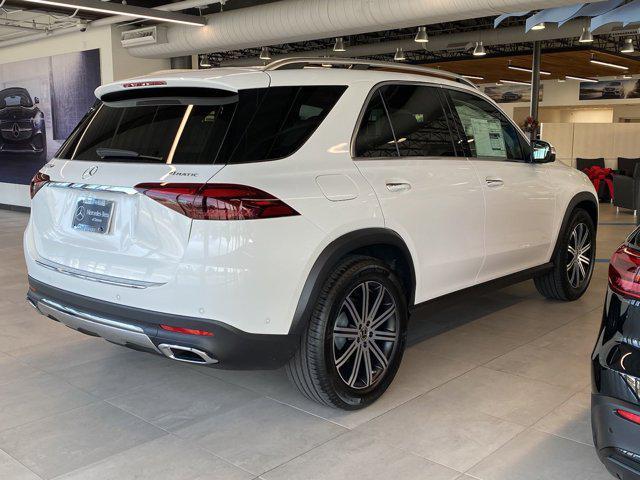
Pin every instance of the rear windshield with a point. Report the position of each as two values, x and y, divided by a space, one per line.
263 124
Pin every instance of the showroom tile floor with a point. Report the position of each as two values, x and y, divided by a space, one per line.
495 388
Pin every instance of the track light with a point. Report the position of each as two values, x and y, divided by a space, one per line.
515 82
264 54
607 64
204 61
421 36
479 51
339 45
580 79
628 46
540 26
586 37
399 56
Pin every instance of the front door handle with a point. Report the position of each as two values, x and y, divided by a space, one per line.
398 186
494 182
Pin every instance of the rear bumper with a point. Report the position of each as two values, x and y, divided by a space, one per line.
139 329
617 440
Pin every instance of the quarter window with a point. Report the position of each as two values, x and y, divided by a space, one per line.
488 134
375 136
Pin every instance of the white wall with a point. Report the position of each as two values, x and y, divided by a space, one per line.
115 64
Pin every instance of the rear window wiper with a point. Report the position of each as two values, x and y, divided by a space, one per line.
118 153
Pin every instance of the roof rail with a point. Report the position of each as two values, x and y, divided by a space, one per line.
301 62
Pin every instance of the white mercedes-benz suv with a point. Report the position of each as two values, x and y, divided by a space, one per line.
295 215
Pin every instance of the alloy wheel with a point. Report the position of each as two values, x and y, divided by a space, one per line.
579 250
365 335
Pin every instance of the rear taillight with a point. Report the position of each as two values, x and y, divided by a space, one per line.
221 201
624 272
632 417
38 181
186 331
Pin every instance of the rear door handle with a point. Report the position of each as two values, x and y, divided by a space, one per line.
494 182
398 186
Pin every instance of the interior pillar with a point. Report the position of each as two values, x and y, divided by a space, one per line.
183 62
535 86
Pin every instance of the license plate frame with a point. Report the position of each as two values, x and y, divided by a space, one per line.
93 215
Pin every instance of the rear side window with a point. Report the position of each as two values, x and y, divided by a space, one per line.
419 122
487 131
261 124
404 120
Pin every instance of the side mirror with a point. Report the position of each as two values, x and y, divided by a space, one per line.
36 100
542 152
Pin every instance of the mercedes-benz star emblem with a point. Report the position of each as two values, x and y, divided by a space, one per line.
90 172
80 213
16 130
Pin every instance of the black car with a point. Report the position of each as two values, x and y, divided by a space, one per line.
615 401
22 127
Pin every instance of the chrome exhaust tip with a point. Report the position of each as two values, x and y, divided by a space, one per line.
186 354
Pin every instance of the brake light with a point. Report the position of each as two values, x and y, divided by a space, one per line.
38 181
216 201
632 417
624 272
188 331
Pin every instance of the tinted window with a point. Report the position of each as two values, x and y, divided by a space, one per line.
263 124
488 132
419 123
375 137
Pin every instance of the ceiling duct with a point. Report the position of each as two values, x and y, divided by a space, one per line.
288 21
144 36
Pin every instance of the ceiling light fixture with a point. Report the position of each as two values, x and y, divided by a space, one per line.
515 82
628 46
586 37
264 54
479 51
204 61
524 69
126 10
472 77
339 45
399 56
421 36
540 26
607 64
581 79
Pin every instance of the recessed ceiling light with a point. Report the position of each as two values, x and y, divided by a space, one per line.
581 79
524 69
127 11
515 82
540 26
608 64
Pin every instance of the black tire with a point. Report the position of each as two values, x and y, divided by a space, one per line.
314 370
560 283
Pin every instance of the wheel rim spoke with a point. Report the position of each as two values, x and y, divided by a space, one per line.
365 335
579 255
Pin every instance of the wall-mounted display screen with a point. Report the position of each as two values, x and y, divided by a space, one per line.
41 101
510 93
610 89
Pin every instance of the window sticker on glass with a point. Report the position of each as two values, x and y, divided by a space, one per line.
488 138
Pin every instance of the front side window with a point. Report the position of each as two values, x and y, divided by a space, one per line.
261 124
419 122
487 132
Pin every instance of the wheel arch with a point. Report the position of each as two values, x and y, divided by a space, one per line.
381 243
585 200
